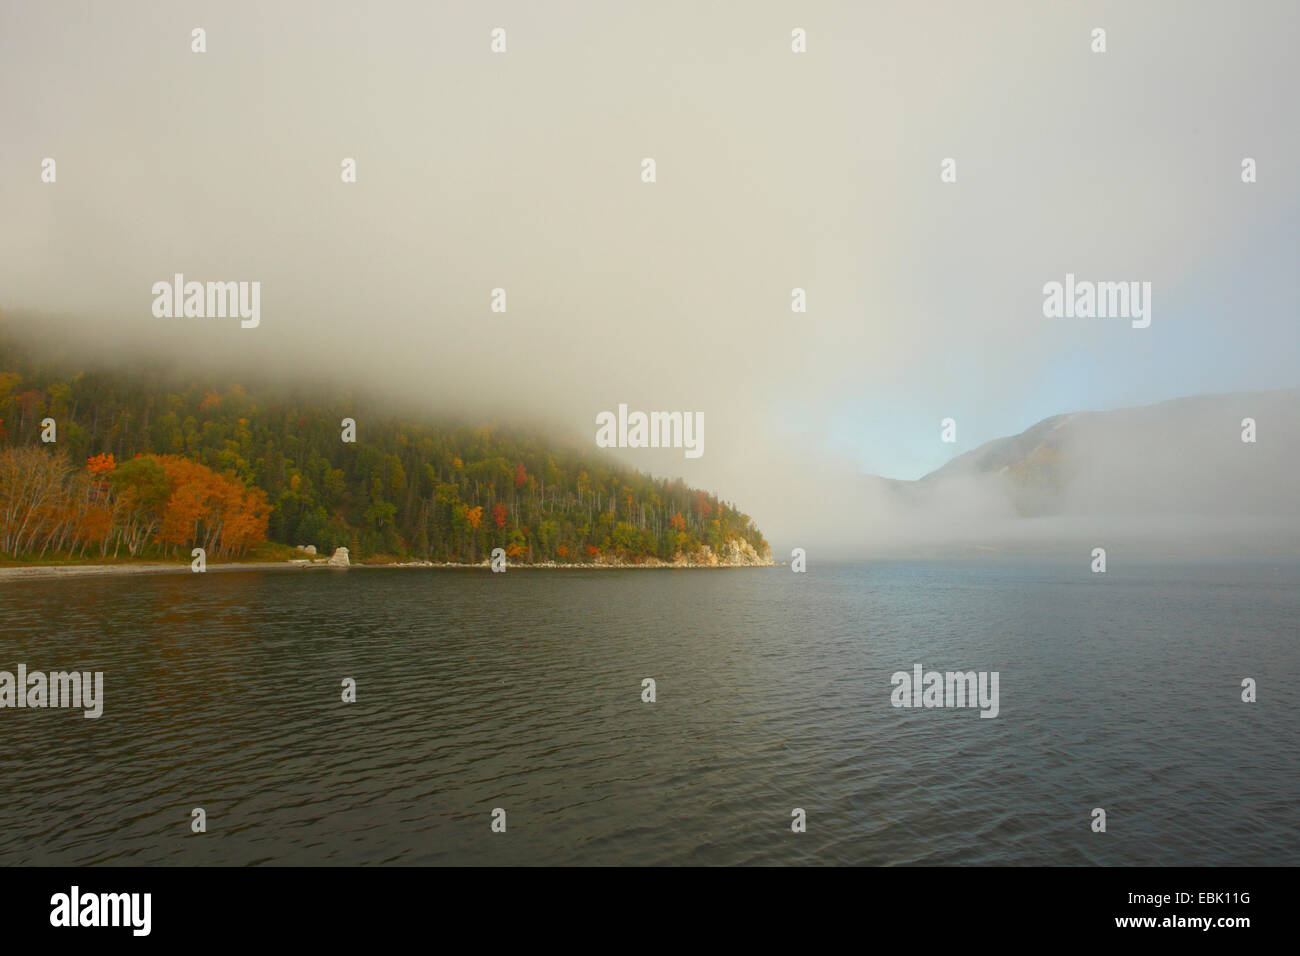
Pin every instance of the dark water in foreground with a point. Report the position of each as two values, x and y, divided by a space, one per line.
523 691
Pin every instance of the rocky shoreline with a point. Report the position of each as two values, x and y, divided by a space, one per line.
737 555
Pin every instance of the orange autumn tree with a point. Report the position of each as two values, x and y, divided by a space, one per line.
211 511
101 465
93 521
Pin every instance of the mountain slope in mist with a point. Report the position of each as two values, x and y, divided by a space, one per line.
336 469
1181 457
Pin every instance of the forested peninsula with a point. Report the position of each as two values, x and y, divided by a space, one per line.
144 465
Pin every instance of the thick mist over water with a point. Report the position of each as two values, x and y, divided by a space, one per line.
775 171
1174 478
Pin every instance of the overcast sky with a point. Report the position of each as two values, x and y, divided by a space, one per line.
775 170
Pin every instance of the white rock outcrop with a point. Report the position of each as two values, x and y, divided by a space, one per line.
741 552
339 559
737 553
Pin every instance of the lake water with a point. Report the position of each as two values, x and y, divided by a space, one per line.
523 691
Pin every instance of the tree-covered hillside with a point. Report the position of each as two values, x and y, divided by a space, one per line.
408 489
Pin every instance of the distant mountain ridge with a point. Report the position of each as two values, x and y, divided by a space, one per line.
1181 456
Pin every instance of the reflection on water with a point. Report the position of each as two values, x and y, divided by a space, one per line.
523 691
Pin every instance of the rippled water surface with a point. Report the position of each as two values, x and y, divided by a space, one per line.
523 691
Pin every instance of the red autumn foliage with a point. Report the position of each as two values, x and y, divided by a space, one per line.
100 465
